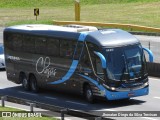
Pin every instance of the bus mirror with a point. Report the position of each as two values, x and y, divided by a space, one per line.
102 58
150 54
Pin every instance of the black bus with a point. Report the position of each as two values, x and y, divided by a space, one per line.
107 63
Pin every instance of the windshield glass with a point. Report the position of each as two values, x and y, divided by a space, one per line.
124 61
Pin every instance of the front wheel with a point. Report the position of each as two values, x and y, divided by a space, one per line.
89 94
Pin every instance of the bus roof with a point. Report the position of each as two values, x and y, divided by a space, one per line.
105 37
112 38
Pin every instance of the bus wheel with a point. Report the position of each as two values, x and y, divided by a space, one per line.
89 94
33 82
25 82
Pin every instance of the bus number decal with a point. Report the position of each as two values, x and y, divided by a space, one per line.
43 67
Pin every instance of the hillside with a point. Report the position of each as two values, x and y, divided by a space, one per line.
139 12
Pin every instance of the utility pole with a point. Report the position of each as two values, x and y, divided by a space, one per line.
77 10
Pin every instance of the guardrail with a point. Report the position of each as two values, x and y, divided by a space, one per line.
153 69
131 27
51 108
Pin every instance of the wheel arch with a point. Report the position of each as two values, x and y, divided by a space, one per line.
21 73
85 84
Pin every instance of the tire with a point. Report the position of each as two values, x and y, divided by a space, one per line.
33 84
25 82
89 94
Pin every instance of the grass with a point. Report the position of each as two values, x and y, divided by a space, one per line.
21 118
140 12
55 3
8 109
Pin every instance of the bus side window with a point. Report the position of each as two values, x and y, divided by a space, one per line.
99 69
28 44
17 42
40 45
9 41
85 64
96 60
67 48
78 51
53 47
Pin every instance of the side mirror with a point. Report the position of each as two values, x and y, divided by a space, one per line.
150 54
102 58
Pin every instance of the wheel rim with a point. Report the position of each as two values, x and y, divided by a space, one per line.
33 85
25 83
89 94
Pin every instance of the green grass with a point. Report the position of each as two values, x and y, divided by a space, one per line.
55 3
8 109
139 12
18 118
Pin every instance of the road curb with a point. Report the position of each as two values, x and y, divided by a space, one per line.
145 33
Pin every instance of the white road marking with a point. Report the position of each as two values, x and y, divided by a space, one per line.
157 97
50 97
149 118
105 110
59 118
27 93
76 103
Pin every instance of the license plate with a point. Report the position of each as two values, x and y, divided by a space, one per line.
131 94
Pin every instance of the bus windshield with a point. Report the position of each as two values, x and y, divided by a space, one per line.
125 62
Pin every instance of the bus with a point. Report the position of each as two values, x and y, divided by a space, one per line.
96 63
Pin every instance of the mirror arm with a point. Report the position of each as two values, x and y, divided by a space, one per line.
150 54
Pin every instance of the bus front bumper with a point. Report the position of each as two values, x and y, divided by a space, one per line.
110 95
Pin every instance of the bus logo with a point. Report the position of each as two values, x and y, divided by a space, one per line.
43 67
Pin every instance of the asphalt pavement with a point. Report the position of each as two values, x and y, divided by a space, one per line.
143 103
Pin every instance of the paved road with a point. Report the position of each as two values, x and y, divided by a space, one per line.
144 103
154 42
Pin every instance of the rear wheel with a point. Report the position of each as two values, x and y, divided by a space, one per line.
33 84
89 94
25 82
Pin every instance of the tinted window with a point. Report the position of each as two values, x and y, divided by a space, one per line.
8 41
40 45
67 48
28 44
78 52
53 47
17 42
85 63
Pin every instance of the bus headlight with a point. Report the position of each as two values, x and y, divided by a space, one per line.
113 88
145 84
